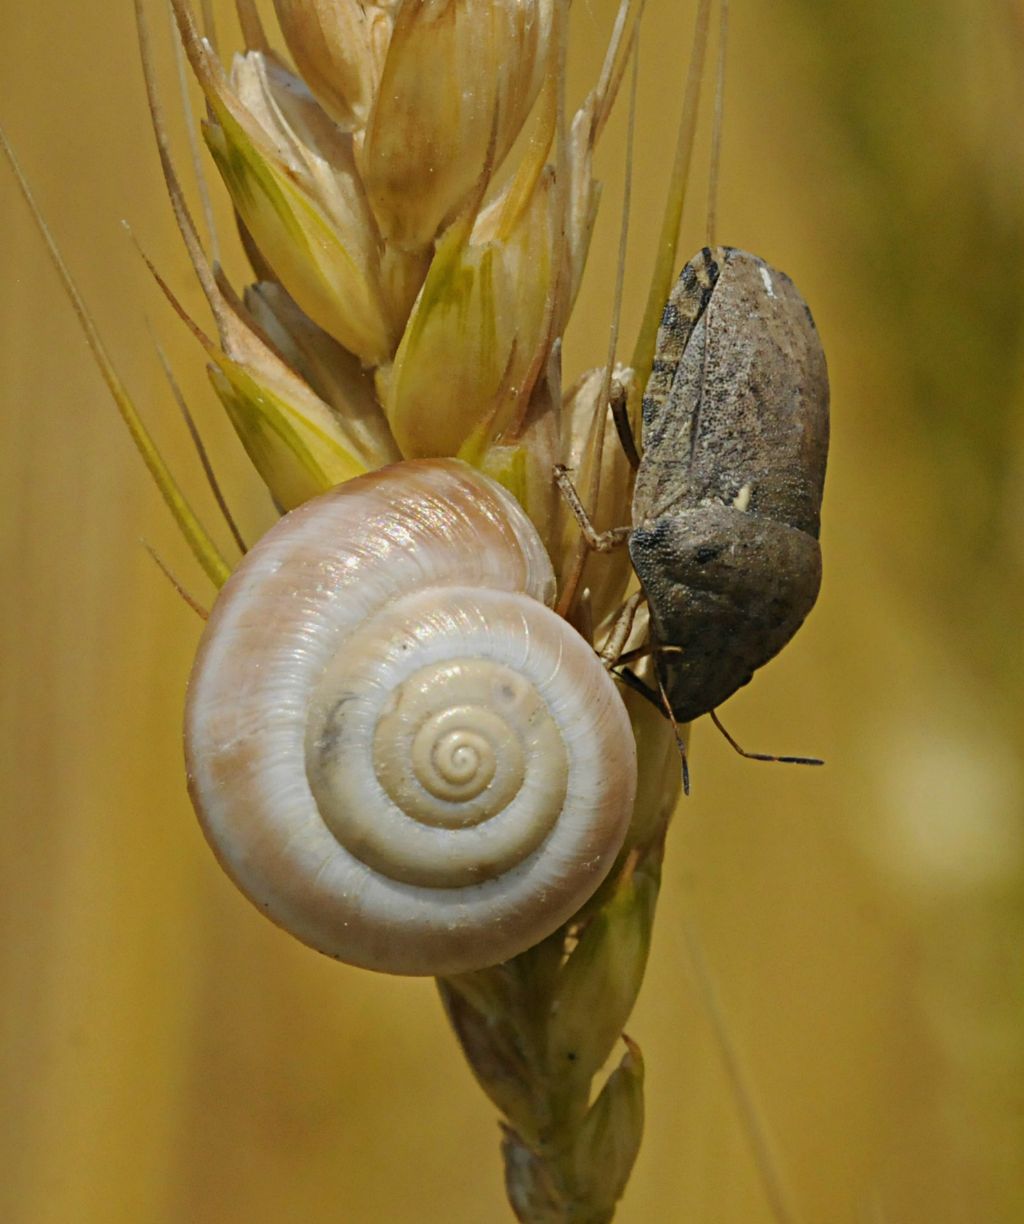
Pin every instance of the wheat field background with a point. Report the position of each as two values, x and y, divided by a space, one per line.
166 1055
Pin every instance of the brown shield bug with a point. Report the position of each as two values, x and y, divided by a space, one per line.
727 498
728 492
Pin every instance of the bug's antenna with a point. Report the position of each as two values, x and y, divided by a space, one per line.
761 756
716 129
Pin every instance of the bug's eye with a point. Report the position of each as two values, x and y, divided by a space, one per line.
705 554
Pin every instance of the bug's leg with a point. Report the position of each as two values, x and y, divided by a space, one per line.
761 756
666 705
631 680
658 697
619 404
649 648
599 541
612 652
616 664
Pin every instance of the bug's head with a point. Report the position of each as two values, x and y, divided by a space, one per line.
696 549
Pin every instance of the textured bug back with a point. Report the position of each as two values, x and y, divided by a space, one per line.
728 496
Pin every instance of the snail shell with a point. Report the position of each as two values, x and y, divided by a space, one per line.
396 750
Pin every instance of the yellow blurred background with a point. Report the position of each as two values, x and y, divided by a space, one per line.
166 1055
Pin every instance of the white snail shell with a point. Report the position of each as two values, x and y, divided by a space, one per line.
396 750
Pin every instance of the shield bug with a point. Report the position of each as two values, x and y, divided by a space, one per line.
724 537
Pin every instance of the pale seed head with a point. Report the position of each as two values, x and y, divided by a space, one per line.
292 176
475 335
457 85
338 46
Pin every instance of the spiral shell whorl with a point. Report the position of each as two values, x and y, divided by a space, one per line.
396 750
469 768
